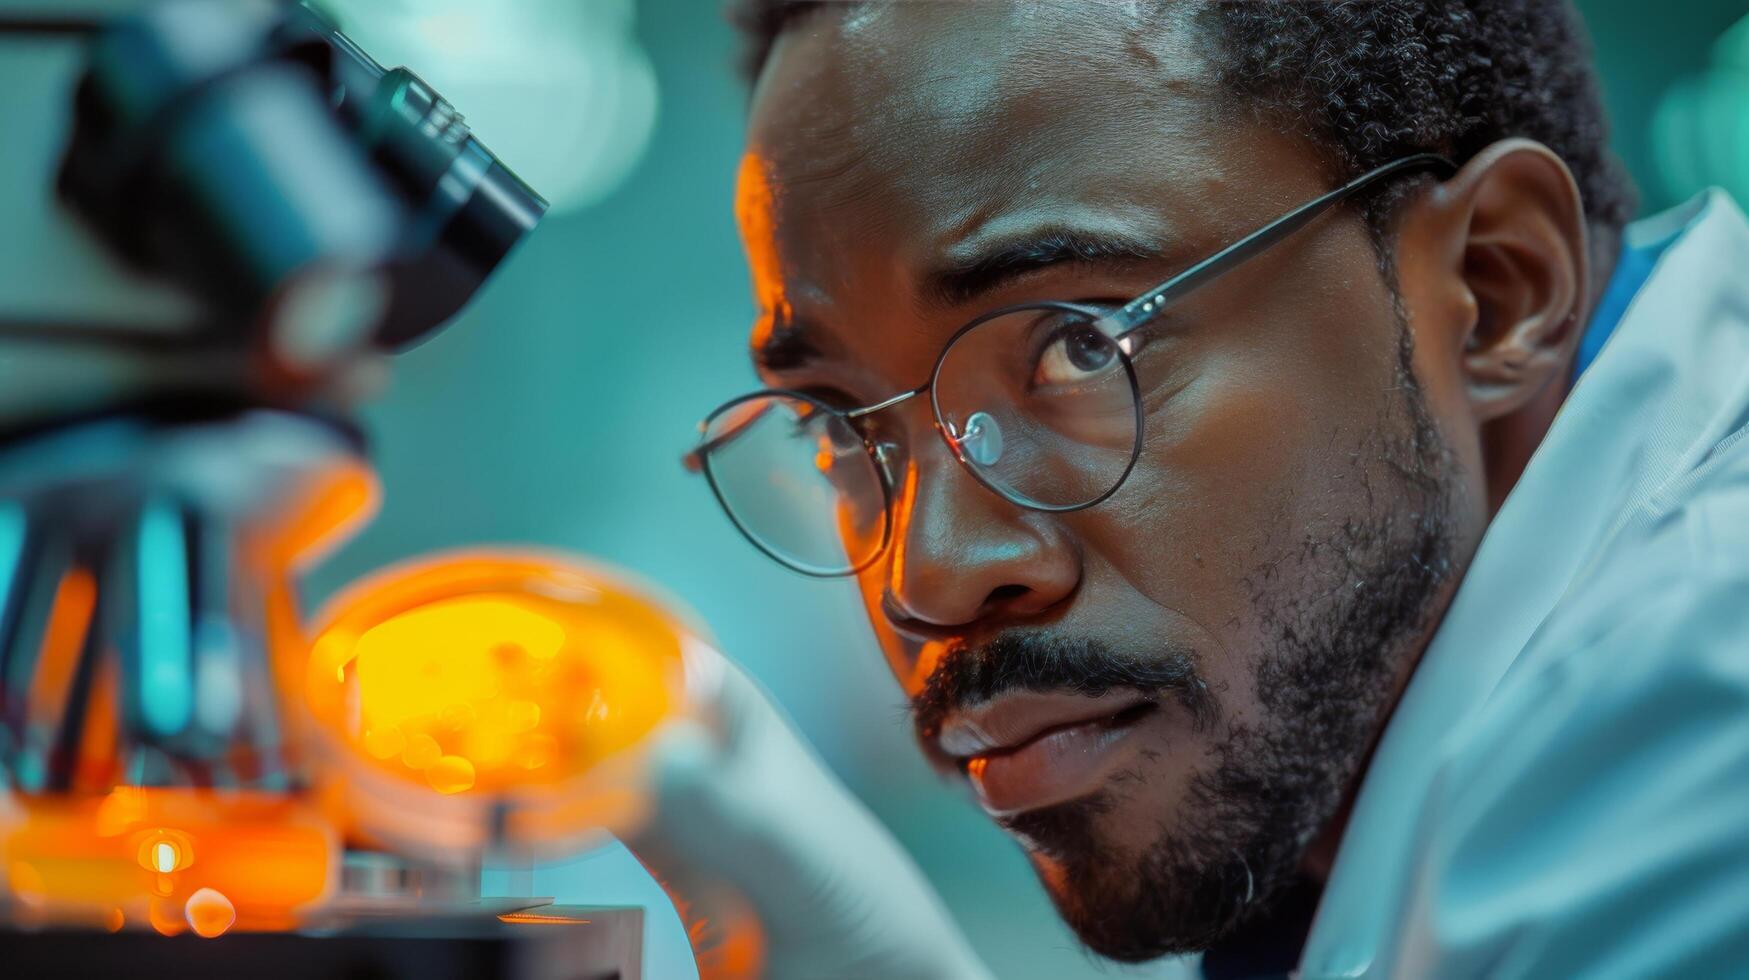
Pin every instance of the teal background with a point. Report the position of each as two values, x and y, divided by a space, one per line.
555 410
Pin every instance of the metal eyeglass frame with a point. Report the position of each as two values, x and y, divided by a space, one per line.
1118 324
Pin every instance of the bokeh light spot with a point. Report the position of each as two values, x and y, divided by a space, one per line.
166 918
210 913
451 774
422 752
385 743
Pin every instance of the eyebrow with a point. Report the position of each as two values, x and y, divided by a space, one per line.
999 264
789 343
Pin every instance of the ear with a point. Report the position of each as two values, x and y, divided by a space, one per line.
1517 246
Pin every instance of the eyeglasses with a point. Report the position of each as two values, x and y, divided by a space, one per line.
1041 403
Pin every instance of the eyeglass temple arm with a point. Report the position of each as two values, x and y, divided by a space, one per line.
1143 308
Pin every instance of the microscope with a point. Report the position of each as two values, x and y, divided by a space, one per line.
224 219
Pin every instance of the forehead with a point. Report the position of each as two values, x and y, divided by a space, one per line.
966 73
932 121
890 141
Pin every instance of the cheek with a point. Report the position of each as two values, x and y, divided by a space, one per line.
1439 322
1202 507
1255 456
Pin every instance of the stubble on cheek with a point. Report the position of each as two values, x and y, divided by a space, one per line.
1345 581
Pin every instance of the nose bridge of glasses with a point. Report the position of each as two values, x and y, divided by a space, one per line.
980 441
898 399
893 455
888 451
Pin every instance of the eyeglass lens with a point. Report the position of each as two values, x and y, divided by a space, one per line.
1041 405
1038 403
799 482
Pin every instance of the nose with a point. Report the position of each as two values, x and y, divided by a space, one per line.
962 556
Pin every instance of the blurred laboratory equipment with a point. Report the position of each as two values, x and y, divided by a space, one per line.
234 216
560 88
1700 132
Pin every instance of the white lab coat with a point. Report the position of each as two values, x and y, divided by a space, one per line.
1564 788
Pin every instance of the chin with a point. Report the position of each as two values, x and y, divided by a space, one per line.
1130 888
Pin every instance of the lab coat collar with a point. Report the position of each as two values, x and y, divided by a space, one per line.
1601 459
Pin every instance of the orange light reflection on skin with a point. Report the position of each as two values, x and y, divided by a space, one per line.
914 670
930 653
755 212
901 526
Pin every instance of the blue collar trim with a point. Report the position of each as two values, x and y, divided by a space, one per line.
1632 271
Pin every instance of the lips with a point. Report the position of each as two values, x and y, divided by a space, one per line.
1030 750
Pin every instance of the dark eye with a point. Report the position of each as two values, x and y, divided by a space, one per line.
1075 355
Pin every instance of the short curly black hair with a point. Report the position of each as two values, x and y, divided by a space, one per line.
1373 80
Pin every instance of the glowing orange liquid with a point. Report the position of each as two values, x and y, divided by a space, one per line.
486 673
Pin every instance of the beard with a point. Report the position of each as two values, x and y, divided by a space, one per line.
1324 682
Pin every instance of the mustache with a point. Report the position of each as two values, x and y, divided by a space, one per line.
1046 662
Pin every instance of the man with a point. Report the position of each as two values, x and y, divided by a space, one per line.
1203 397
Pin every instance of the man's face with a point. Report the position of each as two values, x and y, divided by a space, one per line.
1167 696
